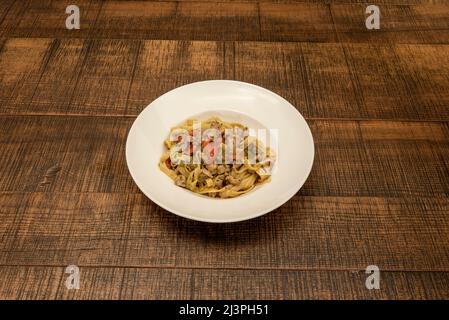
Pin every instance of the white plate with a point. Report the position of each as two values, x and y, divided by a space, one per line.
248 104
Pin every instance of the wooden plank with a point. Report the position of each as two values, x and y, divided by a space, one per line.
46 18
217 21
296 22
165 65
121 77
50 148
359 165
21 65
178 20
425 69
394 83
324 233
432 22
313 77
105 79
379 82
414 164
398 2
136 20
57 84
138 283
348 162
229 61
10 10
101 77
351 80
5 6
93 77
396 24
328 21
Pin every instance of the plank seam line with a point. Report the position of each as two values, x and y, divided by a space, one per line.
133 72
367 42
83 59
53 46
405 197
100 10
132 116
334 27
259 20
355 270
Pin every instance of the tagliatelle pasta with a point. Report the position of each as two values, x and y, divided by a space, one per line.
216 158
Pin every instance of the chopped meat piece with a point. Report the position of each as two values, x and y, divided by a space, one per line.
206 172
180 181
209 183
222 169
219 181
232 180
236 166
215 125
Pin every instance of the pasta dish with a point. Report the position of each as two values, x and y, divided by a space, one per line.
216 158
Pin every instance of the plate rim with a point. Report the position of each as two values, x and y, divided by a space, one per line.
278 204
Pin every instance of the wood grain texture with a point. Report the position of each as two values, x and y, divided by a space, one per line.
350 160
296 22
96 143
61 76
399 80
19 79
396 2
47 18
376 101
422 23
10 10
358 80
106 77
121 77
324 233
139 20
138 283
4 8
323 21
424 72
217 21
432 22
183 62
136 20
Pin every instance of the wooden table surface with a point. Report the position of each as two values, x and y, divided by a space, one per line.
377 102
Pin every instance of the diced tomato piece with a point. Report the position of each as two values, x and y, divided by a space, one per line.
204 144
168 163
